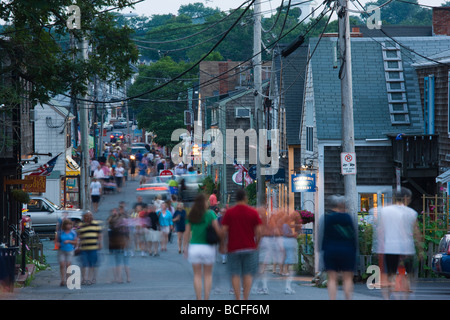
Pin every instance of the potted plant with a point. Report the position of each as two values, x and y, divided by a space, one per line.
20 196
307 216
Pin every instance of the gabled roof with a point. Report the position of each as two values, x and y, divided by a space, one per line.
370 99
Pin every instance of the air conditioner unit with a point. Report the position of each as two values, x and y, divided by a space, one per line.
242 112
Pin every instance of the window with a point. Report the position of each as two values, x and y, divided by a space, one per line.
309 138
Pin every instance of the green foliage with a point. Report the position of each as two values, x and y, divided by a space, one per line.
162 111
401 13
36 47
251 194
208 185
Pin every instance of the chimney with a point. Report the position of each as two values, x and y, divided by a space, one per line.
441 21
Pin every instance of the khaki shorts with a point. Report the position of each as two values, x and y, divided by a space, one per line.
65 256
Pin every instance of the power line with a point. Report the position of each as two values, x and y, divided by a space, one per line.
219 77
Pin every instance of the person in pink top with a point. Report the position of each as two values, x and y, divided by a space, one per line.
242 224
213 200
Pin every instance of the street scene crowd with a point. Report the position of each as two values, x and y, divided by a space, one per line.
245 238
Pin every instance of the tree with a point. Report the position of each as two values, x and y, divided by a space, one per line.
36 47
402 13
161 112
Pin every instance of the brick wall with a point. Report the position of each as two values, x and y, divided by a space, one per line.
441 21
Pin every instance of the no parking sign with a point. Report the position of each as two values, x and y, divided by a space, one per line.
348 163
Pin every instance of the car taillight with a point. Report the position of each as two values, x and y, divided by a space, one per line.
152 188
111 136
121 137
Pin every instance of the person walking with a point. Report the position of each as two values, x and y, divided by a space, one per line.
90 235
198 251
96 190
338 246
118 239
154 232
398 239
166 224
68 239
119 174
242 225
179 219
290 246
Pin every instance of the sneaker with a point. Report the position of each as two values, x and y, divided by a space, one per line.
263 291
289 291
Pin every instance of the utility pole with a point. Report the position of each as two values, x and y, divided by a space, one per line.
345 75
84 123
260 186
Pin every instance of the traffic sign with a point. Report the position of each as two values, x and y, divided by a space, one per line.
348 163
166 173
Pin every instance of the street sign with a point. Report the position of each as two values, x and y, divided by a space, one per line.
166 173
348 163
38 185
305 182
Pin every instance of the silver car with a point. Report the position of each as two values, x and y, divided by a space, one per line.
153 187
44 214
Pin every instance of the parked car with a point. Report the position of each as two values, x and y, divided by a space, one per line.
116 135
122 123
441 260
44 214
157 185
108 126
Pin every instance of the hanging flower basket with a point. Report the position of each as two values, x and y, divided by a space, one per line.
307 216
20 196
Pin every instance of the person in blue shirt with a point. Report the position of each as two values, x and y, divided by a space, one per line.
166 223
67 241
179 218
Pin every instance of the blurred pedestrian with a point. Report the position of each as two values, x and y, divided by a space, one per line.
142 168
179 219
119 174
199 252
96 191
68 240
242 224
339 246
166 223
213 202
154 231
398 238
118 239
90 235
290 246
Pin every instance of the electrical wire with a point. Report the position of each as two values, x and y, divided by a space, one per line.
217 78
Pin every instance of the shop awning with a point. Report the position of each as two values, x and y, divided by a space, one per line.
444 177
72 168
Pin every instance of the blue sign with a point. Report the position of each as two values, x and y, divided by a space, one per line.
304 182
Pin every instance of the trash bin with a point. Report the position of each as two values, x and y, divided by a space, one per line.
7 267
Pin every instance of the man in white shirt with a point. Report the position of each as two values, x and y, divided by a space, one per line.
96 191
397 238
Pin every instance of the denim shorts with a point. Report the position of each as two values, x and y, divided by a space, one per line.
243 262
89 258
119 258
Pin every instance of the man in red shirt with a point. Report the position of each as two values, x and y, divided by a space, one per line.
243 227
